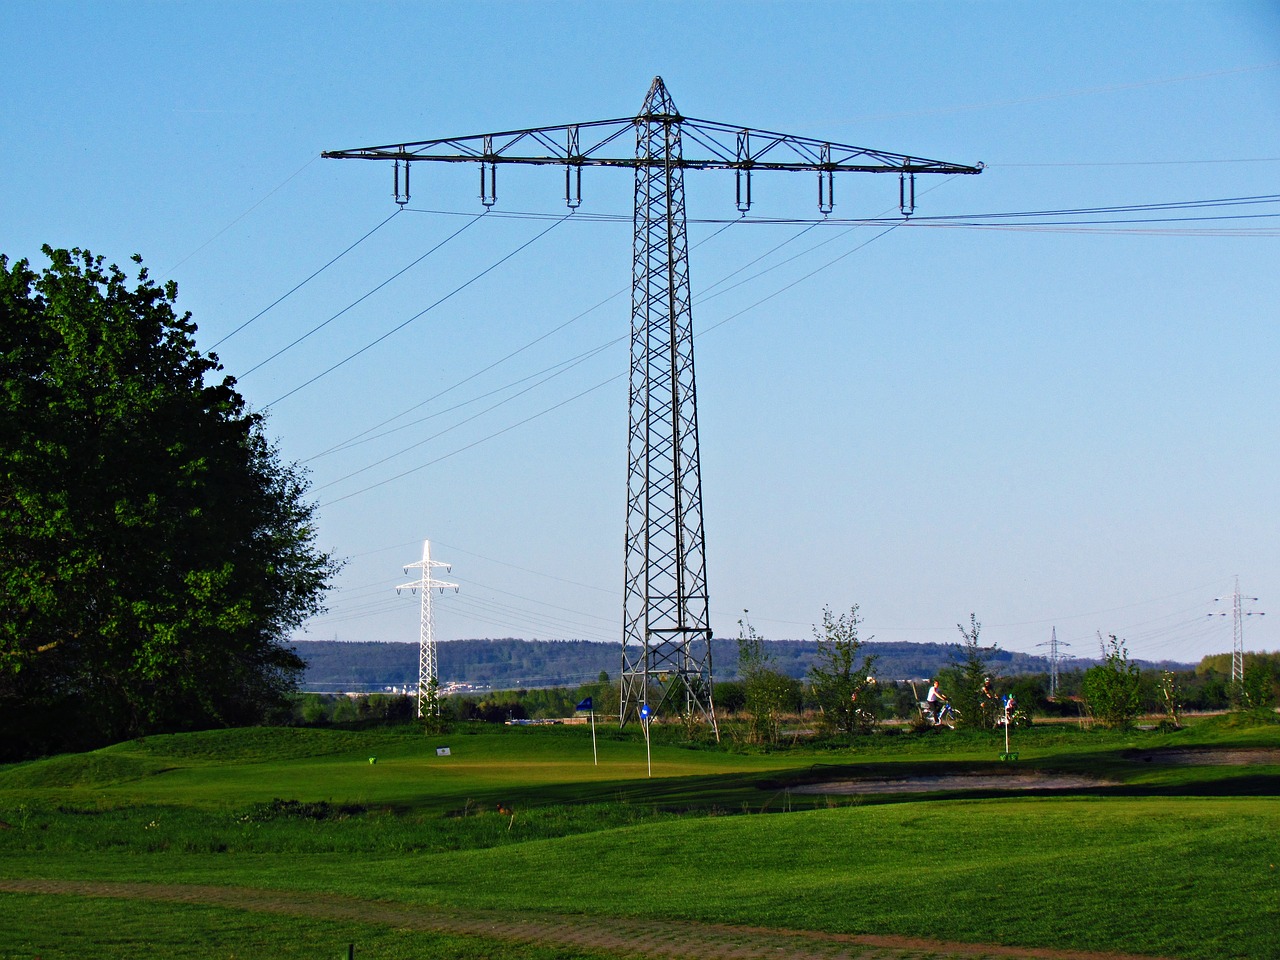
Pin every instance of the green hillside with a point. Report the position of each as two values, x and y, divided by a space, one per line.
370 666
1164 845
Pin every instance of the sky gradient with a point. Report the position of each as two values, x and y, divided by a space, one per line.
1052 419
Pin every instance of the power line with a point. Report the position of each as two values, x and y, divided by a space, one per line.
320 326
1138 163
299 286
360 437
456 290
250 210
546 373
564 368
920 220
554 371
475 443
811 225
603 383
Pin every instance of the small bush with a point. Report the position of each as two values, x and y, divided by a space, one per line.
278 809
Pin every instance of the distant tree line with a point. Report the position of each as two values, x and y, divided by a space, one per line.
333 665
841 695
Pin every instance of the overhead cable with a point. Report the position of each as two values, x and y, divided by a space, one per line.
250 210
302 284
359 300
456 290
364 434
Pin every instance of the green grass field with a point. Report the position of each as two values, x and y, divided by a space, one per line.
1157 858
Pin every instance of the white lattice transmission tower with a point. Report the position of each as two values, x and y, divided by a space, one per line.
428 676
1055 660
1238 613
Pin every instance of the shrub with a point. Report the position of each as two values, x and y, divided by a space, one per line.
1111 689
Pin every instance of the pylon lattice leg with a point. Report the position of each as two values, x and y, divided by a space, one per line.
666 647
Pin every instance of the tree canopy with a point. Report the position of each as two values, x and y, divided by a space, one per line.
154 550
1113 688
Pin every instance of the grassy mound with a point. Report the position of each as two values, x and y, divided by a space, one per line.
1173 859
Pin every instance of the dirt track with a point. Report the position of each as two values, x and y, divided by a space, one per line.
617 937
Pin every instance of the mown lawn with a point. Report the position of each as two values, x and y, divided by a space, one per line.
1175 860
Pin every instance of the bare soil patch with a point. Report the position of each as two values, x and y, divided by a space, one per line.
617 937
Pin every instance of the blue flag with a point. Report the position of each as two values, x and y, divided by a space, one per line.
584 705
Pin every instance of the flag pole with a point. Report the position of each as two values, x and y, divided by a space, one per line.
647 752
589 705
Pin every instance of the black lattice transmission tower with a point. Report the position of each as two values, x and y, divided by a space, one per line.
666 632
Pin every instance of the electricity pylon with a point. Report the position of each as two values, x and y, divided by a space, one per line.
666 631
428 678
1055 658
1238 613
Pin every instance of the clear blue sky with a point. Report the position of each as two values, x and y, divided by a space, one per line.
1050 424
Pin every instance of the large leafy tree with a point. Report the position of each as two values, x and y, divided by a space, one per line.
154 550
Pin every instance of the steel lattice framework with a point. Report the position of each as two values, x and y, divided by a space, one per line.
666 622
428 677
666 633
1238 613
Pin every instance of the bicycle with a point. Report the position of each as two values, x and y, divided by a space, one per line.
946 716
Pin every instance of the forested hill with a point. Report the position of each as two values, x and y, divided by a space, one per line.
336 665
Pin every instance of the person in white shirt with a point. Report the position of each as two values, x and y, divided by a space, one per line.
935 698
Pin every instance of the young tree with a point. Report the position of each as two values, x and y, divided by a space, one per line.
969 696
154 551
1170 697
1111 689
767 691
842 681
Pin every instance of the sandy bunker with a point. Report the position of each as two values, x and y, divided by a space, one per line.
1012 780
957 781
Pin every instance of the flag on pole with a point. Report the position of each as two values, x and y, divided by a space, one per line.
584 705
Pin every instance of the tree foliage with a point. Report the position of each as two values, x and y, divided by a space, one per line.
969 677
154 551
842 681
1257 687
1112 689
768 693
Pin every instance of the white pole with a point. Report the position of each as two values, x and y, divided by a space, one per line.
647 752
595 756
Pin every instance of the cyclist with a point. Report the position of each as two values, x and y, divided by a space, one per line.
935 699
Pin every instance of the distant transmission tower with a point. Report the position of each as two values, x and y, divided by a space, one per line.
428 678
666 630
1238 613
1055 659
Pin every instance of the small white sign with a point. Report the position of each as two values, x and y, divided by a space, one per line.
442 751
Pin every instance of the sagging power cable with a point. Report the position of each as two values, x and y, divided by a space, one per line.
359 300
299 286
365 434
456 290
601 384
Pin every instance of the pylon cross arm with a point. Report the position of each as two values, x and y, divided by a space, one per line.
724 147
